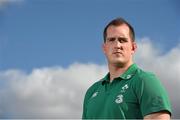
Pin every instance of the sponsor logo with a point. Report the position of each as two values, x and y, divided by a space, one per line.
119 99
94 94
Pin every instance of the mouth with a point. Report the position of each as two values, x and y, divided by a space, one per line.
117 53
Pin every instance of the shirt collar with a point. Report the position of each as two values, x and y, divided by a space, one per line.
125 76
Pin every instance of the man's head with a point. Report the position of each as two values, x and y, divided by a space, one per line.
119 42
118 22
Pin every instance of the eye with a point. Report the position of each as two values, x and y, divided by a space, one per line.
122 40
111 39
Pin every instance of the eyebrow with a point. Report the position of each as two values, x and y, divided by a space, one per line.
117 37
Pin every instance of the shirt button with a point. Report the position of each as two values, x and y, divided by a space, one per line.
128 76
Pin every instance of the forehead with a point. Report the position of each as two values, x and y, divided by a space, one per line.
121 30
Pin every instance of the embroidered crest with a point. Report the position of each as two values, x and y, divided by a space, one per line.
124 88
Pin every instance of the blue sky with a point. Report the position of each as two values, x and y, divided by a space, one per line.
38 33
50 51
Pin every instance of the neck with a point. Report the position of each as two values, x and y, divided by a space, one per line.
117 70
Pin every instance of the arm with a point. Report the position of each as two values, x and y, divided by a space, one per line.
158 116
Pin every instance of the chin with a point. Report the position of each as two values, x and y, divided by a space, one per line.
119 61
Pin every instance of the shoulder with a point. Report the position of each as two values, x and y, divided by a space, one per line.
145 77
144 74
93 88
147 82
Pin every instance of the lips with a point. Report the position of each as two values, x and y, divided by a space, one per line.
117 52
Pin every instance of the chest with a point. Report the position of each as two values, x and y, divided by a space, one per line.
117 100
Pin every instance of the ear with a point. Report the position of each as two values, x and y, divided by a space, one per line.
134 47
104 48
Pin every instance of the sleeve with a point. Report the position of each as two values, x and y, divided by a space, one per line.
88 95
84 106
151 95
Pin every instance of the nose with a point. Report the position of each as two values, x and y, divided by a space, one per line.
117 43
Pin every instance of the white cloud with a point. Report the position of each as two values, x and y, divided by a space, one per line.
57 92
47 92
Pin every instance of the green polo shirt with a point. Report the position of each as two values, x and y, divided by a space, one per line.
134 94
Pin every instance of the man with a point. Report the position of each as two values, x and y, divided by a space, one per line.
126 92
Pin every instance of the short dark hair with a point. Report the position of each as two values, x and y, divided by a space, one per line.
117 22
